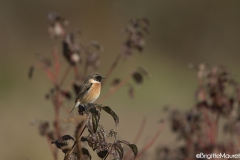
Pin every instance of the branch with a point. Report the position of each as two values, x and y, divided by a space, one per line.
57 105
49 73
140 131
65 75
56 62
82 128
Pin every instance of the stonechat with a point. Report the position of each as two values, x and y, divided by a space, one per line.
89 90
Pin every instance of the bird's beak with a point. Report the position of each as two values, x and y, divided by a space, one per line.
103 78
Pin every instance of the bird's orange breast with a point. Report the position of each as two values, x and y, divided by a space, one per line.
92 94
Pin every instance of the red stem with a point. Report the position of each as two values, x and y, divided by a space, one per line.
56 62
140 130
65 75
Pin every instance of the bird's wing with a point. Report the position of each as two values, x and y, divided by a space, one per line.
83 90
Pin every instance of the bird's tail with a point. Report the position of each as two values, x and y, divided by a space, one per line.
76 105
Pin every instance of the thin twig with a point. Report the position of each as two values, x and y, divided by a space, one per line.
140 131
57 113
77 140
49 73
56 62
65 75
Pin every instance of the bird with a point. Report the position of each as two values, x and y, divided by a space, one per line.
89 90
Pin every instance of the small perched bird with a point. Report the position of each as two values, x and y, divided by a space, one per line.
89 90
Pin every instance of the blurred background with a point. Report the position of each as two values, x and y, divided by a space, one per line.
181 32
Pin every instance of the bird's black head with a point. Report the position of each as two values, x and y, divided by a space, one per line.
96 77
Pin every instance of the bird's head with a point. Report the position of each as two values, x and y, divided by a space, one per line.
95 78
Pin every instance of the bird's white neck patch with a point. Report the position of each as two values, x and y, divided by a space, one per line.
93 81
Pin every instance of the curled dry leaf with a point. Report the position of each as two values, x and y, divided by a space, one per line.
62 144
92 122
135 31
112 113
43 128
102 154
84 139
71 49
66 94
81 110
137 77
144 71
97 140
132 146
116 150
86 153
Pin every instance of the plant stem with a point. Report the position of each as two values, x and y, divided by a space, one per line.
65 75
140 131
77 140
56 62
57 112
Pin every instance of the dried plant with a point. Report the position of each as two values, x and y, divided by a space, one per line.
83 59
217 96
